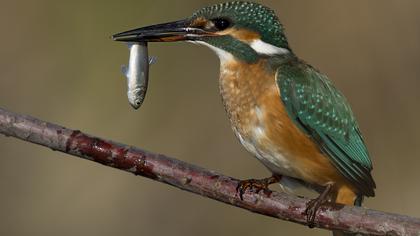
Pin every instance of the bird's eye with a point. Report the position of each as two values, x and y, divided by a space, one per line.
221 23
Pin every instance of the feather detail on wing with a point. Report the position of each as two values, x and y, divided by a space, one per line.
322 112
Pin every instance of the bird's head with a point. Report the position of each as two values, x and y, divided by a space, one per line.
243 30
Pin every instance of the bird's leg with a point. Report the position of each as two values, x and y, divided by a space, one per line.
256 185
313 205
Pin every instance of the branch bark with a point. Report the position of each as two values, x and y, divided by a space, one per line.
201 181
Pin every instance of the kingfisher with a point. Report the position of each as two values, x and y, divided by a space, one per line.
284 112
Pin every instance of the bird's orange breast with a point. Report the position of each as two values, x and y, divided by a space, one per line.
257 114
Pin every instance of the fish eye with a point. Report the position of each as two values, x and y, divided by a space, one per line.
221 23
138 103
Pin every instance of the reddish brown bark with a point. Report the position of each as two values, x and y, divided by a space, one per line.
201 181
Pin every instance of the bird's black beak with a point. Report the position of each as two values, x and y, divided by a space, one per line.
166 32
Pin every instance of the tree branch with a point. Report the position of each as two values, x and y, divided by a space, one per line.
201 181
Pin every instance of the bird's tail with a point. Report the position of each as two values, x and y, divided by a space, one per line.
357 202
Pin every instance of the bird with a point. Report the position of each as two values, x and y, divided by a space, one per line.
284 112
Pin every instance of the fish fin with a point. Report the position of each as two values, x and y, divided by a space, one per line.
124 69
152 60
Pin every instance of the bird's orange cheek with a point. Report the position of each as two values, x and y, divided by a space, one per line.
246 36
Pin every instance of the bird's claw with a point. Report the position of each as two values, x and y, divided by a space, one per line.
314 204
256 185
311 209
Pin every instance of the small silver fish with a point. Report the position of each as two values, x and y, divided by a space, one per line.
137 73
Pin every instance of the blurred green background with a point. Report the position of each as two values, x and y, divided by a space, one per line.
57 62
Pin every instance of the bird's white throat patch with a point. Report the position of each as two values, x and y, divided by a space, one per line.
258 45
223 55
262 47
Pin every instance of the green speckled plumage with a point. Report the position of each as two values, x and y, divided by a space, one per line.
249 15
322 112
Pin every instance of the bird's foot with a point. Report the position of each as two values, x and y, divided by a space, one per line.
314 204
256 185
311 209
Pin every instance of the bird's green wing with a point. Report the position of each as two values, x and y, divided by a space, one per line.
322 112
